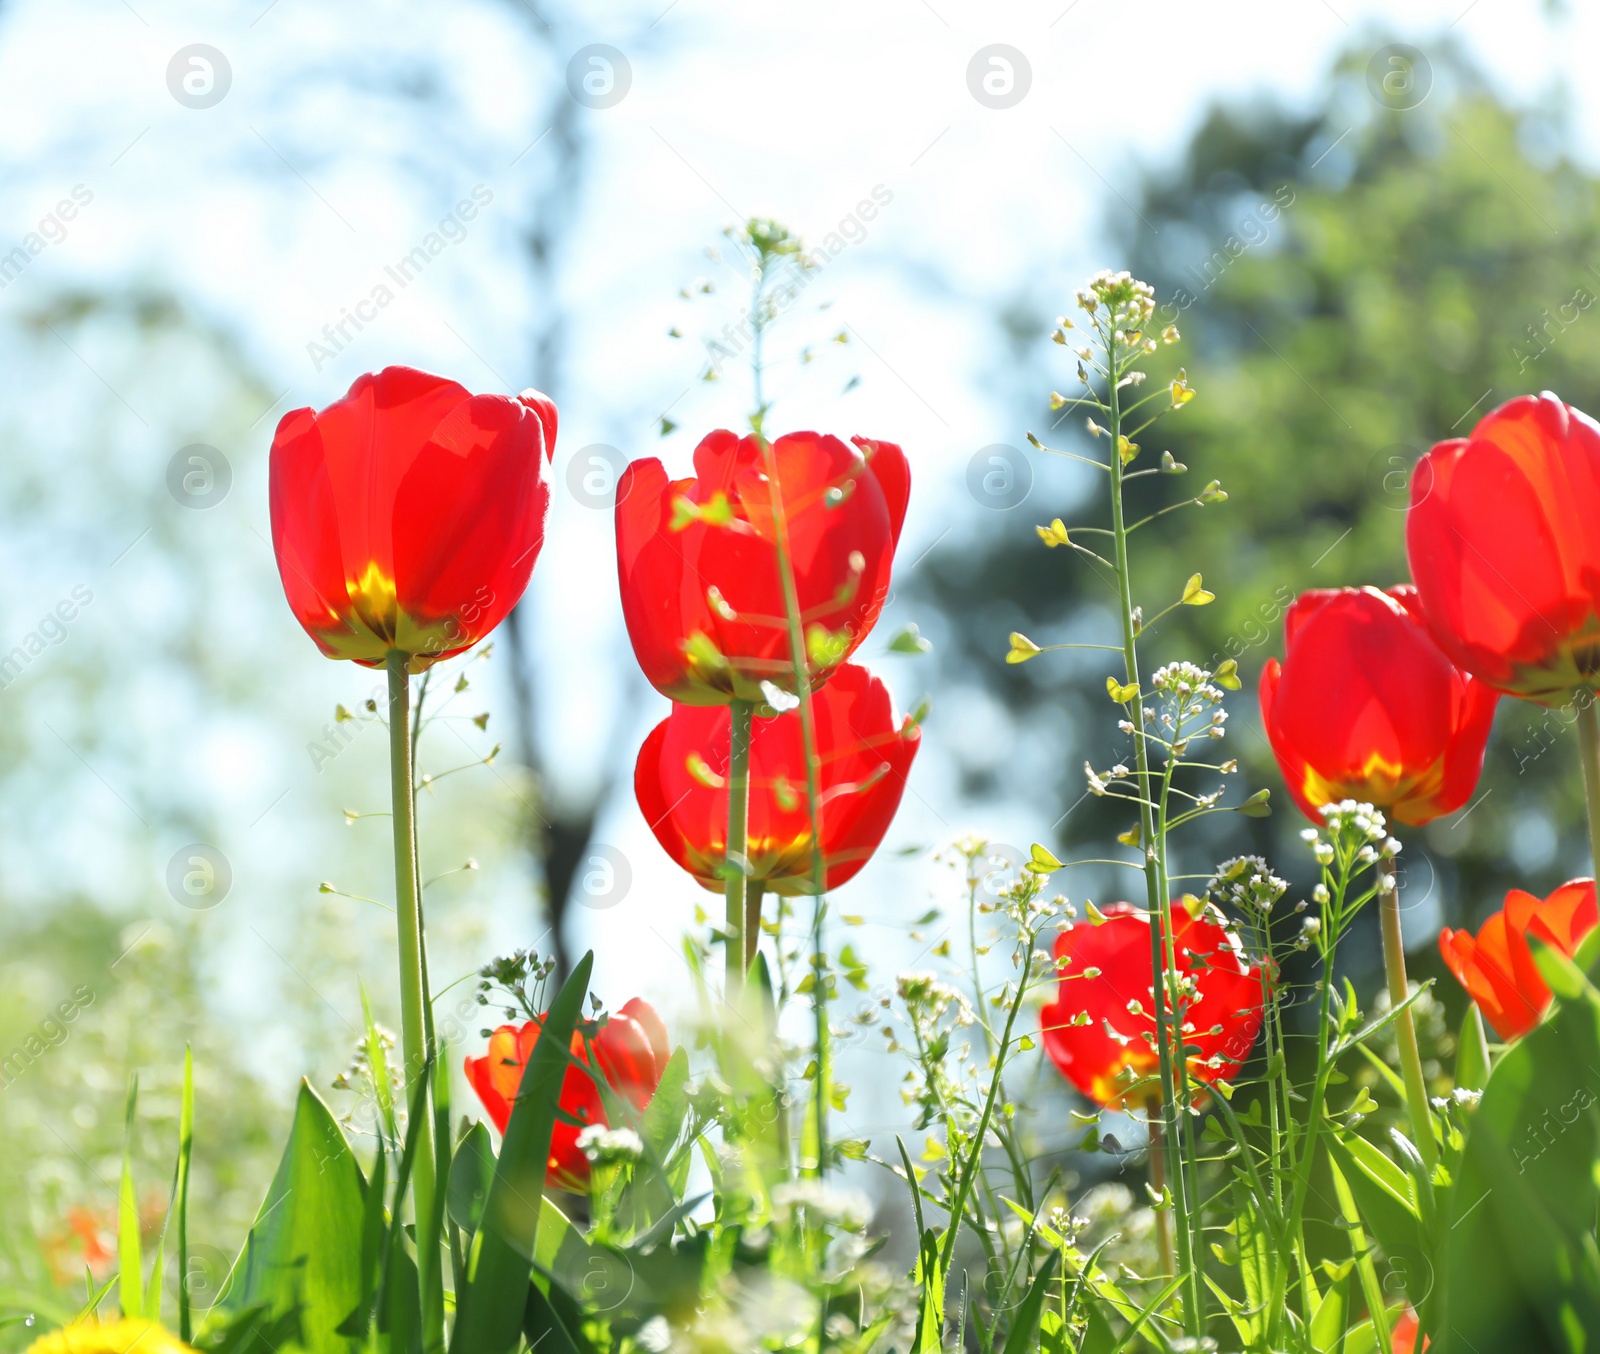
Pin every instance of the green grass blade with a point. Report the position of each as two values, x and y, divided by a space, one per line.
1026 1325
181 1193
130 1259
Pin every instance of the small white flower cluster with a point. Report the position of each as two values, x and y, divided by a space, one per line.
1247 882
823 1204
1356 825
1191 693
610 1146
1129 303
927 999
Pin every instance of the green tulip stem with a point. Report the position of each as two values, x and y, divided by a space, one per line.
1394 965
741 719
1589 752
413 980
753 895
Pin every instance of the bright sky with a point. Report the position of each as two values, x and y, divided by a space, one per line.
278 208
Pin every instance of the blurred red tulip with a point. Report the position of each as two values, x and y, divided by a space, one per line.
409 514
632 1052
1366 706
1403 1338
865 750
1497 967
1101 1030
1504 541
701 589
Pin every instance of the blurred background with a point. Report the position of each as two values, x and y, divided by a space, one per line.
1378 222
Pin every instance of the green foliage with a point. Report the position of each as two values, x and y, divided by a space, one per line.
503 1245
1519 1270
304 1253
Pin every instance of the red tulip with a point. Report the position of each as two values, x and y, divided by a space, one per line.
1497 967
1366 706
1504 540
1403 1338
1101 1030
865 751
409 514
701 589
631 1051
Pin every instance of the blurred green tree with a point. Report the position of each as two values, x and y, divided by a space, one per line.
1353 283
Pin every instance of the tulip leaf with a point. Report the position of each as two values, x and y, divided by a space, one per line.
489 1320
1561 975
471 1173
303 1256
1472 1052
1385 1197
544 1327
1518 1267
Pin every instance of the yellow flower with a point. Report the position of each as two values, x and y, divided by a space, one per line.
120 1337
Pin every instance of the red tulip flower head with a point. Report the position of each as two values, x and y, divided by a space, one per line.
1366 706
865 749
1101 1031
1504 541
702 591
631 1052
1496 967
409 514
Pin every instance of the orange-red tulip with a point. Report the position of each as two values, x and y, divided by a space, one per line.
1101 1030
409 514
631 1051
865 751
1366 706
1403 1338
698 562
1497 967
1504 541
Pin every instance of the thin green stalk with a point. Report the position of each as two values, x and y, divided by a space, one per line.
185 1153
978 995
1156 902
1158 1182
736 859
1589 752
413 983
1302 1182
1188 1155
1394 967
969 1171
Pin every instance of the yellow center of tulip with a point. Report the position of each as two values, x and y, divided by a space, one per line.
374 599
